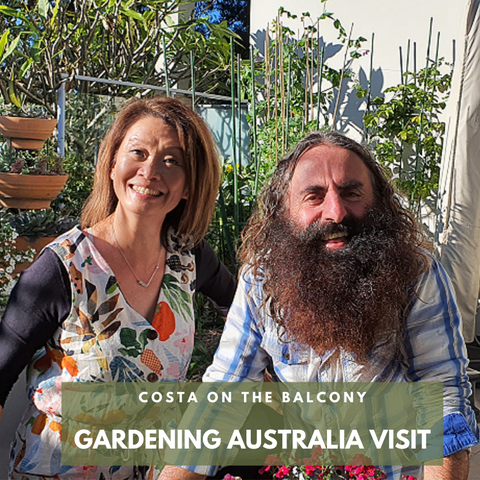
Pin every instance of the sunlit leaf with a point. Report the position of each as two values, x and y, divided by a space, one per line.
43 7
3 42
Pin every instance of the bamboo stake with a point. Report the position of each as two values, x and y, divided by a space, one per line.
319 92
239 93
407 66
312 56
276 90
289 96
369 85
234 137
415 63
307 76
254 116
337 104
422 111
267 69
402 80
282 87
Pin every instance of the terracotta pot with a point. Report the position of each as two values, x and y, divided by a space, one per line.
26 133
29 191
22 244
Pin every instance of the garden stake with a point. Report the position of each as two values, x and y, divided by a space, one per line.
275 60
267 70
422 112
239 93
192 73
312 58
319 92
408 61
167 83
224 225
234 138
415 63
337 104
282 88
254 116
369 85
402 78
289 85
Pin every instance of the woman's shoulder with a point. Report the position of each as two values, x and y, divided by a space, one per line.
66 244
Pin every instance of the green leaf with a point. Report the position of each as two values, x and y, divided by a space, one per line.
128 337
132 14
143 337
129 352
3 42
54 14
11 11
13 96
11 48
43 7
23 69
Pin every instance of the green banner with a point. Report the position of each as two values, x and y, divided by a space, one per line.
252 423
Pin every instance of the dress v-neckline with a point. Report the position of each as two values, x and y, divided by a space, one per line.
104 265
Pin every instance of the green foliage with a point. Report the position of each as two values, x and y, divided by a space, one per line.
78 187
44 162
34 224
9 257
120 40
407 132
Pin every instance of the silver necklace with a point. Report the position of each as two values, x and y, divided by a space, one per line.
142 284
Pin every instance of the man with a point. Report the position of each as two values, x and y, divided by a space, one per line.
338 287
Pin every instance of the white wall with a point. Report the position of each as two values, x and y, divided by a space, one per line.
393 22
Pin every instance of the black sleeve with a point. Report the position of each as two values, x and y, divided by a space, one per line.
38 305
213 278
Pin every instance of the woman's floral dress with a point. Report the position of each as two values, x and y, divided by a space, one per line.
103 339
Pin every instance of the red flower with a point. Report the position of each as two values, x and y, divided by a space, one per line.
309 470
282 472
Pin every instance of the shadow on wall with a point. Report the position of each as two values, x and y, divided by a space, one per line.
352 108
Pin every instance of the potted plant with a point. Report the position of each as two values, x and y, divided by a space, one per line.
26 127
36 229
29 180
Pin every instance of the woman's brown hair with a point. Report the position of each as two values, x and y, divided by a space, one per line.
191 218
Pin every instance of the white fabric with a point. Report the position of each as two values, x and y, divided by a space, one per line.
458 221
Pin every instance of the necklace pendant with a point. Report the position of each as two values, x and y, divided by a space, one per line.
142 284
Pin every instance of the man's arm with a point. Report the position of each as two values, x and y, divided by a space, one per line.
455 467
436 352
178 473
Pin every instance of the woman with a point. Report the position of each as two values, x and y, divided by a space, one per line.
113 299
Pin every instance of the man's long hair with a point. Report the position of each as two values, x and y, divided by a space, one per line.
262 234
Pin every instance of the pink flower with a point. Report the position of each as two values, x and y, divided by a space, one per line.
264 469
309 470
228 477
282 472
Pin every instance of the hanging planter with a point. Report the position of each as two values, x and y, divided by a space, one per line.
26 133
29 191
